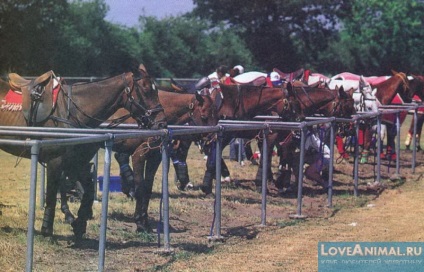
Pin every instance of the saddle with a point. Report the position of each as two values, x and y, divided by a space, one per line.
250 78
290 77
191 88
38 99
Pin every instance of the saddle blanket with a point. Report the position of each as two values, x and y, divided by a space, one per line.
12 101
249 77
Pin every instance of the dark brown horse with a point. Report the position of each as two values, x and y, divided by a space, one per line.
195 109
79 106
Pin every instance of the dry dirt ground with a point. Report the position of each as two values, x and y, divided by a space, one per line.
391 212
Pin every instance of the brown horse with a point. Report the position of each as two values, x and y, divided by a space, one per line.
315 100
244 102
79 106
416 84
195 109
385 93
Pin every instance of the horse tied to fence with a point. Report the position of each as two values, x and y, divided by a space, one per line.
85 105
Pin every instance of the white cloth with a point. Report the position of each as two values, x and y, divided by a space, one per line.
312 141
213 77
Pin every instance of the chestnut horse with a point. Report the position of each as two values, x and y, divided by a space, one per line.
385 93
84 105
244 102
180 108
315 100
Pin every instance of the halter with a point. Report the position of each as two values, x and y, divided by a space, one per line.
191 108
145 120
338 104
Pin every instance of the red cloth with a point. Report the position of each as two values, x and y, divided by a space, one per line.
13 98
268 82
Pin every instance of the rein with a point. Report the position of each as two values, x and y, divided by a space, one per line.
143 121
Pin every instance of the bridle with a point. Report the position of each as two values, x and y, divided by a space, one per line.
145 120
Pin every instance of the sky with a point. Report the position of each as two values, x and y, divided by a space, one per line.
126 12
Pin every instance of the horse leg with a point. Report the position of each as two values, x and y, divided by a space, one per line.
249 153
390 149
258 179
409 135
85 211
145 167
284 168
179 160
53 180
126 173
366 140
420 122
210 171
69 217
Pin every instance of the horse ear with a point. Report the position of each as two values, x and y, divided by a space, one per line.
142 69
394 72
200 99
290 90
342 93
351 91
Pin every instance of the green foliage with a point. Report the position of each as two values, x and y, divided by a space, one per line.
381 35
368 37
182 47
283 34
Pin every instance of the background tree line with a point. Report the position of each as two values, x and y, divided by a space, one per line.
368 37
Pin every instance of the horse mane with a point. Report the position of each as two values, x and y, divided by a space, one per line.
386 91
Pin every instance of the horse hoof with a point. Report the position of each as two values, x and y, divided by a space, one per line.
206 189
69 218
47 232
79 227
144 228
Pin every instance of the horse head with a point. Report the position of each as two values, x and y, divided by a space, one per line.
147 110
205 112
292 108
343 106
366 101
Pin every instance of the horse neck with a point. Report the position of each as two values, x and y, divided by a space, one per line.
94 102
244 102
177 106
313 99
387 90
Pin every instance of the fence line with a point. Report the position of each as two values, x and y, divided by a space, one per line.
79 136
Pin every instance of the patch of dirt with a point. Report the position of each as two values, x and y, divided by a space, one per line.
284 244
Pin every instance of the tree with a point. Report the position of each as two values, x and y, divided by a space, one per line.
381 35
29 34
283 34
188 47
